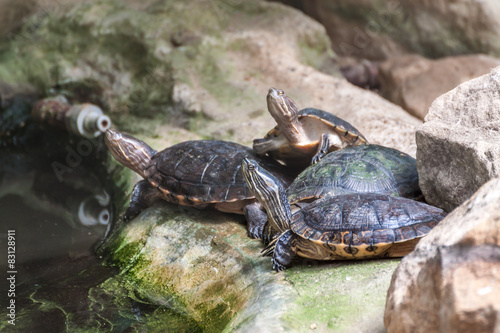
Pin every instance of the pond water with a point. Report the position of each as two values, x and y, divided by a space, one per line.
57 203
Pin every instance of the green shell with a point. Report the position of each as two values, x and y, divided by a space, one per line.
358 169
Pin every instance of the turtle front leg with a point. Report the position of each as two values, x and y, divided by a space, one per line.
327 143
256 218
268 144
284 250
143 195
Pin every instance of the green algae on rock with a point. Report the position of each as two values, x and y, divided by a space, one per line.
339 296
140 56
202 265
200 262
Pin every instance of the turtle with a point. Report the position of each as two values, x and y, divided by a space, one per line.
303 137
347 226
198 173
356 169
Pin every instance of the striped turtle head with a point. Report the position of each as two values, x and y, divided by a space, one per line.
129 151
270 192
286 113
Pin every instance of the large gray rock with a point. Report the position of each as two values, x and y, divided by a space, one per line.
451 281
458 148
381 29
414 82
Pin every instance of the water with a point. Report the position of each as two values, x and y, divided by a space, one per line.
57 202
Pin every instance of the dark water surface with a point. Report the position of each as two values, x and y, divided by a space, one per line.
57 202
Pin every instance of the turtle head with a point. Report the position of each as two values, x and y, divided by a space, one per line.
284 110
270 192
129 151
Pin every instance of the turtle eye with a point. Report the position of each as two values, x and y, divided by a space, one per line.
113 135
117 136
251 166
281 92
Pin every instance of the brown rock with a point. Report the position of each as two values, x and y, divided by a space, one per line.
414 82
381 29
380 121
272 54
349 37
364 73
458 148
451 282
12 16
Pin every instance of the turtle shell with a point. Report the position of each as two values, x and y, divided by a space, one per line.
207 171
319 121
361 225
316 122
358 169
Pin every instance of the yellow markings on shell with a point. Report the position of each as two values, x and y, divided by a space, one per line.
337 251
336 128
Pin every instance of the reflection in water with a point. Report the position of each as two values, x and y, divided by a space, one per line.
60 198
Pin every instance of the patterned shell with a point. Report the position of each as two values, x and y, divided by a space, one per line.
358 169
208 171
364 219
326 122
349 132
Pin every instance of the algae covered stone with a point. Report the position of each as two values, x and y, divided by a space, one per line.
203 265
200 263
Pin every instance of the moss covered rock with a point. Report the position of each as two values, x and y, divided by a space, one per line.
203 265
200 69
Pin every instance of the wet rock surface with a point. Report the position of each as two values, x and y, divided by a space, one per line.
458 147
450 283
414 82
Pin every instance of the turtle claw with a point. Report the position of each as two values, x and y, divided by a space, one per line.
283 250
277 266
315 159
255 233
318 156
268 252
142 195
267 234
